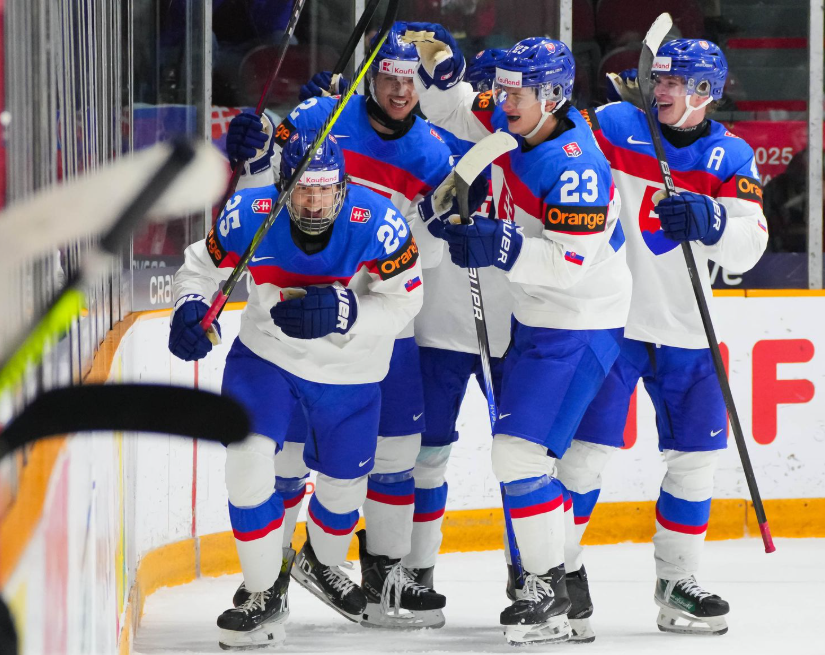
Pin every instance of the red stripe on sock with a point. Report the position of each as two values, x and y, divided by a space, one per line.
533 510
568 504
409 499
260 532
429 516
679 527
289 503
578 520
328 529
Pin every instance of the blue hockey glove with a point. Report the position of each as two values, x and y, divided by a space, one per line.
692 217
322 311
249 140
441 203
485 242
442 63
187 340
318 86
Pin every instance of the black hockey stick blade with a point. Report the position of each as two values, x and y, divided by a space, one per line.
653 40
154 408
355 37
474 161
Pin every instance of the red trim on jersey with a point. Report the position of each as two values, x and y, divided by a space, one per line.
379 172
283 279
533 510
647 167
515 191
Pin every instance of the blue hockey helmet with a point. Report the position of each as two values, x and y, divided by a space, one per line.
317 198
701 63
481 69
395 57
545 64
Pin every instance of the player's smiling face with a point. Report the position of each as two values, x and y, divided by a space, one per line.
396 95
669 91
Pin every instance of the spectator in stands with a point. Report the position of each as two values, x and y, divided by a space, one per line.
785 205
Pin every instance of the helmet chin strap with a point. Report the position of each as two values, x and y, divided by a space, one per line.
544 116
689 109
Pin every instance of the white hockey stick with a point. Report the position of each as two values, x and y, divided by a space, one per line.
91 203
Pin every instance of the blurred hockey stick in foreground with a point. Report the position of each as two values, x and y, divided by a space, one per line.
237 272
297 7
128 408
43 219
469 167
653 40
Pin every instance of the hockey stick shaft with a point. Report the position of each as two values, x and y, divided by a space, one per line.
645 69
55 320
297 8
224 293
355 37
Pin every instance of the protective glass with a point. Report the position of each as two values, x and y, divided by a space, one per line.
672 85
522 98
313 208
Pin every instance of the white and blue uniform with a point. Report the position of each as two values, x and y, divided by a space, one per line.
403 169
334 380
571 289
665 344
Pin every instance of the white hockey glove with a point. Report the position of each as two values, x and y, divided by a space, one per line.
441 58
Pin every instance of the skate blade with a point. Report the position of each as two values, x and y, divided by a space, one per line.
264 636
373 617
555 630
581 632
308 583
681 622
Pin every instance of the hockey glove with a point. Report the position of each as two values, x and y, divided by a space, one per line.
249 140
322 311
187 340
441 203
319 86
442 63
692 217
484 242
624 86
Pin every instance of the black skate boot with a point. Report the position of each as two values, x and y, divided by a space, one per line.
329 583
511 583
539 615
686 608
258 622
394 598
581 607
424 577
242 593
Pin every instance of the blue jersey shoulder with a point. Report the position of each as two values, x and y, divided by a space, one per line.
244 213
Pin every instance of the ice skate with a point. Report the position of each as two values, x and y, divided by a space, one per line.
329 583
242 593
581 607
539 615
686 608
394 598
258 622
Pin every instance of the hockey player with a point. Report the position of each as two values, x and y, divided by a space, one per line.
329 296
718 209
445 332
389 149
571 285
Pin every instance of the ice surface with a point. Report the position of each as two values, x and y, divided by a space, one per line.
777 606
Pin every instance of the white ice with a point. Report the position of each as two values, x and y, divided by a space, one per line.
777 607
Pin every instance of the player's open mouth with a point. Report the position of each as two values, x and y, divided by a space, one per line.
398 104
664 105
512 119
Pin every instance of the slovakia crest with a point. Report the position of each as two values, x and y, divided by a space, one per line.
409 285
572 149
551 47
436 135
573 258
359 215
262 206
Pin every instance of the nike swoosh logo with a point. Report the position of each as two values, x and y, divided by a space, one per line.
360 464
713 434
633 142
504 415
260 259
418 416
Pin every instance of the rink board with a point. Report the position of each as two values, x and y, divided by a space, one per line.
105 518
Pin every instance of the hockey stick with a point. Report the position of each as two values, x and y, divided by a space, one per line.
56 318
354 38
92 202
653 40
128 408
297 7
469 167
229 285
